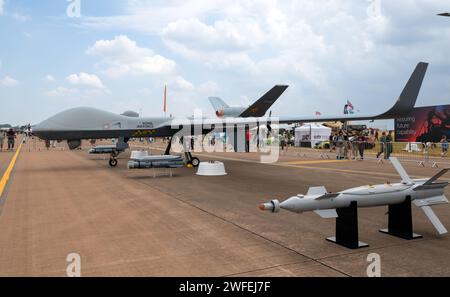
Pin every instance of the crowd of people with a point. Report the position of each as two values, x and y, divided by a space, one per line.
351 145
10 137
348 145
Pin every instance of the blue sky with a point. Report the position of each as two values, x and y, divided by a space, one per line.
119 54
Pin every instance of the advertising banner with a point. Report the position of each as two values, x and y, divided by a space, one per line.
424 124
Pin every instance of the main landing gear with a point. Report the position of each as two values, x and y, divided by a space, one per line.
113 159
192 161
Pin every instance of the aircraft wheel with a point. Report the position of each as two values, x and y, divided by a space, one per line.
113 162
195 162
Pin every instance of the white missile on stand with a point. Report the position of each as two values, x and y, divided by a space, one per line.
424 193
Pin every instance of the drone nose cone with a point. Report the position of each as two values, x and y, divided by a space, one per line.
42 130
37 130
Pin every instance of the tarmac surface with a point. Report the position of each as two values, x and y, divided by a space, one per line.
126 223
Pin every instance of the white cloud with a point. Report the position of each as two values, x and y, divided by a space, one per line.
150 17
2 6
49 78
327 51
209 88
20 17
86 79
62 92
224 34
122 56
85 85
8 81
180 84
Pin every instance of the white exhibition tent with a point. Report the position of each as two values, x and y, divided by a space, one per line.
311 132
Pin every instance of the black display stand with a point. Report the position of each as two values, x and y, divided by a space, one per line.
347 228
400 221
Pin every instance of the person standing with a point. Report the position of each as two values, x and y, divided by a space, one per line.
382 145
444 145
11 139
388 146
361 145
283 142
2 138
347 146
340 143
247 141
354 146
332 142
376 136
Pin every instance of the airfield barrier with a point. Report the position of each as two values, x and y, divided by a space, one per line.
429 154
424 154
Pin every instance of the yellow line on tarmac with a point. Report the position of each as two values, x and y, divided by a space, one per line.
314 162
5 178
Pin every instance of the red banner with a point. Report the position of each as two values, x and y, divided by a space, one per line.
424 124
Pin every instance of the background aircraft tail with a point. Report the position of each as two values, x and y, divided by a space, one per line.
218 103
260 107
408 97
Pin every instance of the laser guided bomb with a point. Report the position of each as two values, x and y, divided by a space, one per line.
112 150
160 161
424 193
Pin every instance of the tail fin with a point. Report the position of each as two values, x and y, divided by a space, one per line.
425 205
408 97
430 184
260 107
401 171
434 220
436 177
217 103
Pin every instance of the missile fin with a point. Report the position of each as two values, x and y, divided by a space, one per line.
436 177
316 191
327 196
327 213
434 220
436 200
401 171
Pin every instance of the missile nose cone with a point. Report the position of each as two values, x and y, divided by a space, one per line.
291 204
273 206
265 206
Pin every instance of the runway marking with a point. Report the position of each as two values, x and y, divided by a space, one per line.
7 174
313 162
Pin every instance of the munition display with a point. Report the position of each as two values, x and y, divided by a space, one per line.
104 149
162 161
424 193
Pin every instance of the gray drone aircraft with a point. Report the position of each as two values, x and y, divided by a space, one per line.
77 124
257 109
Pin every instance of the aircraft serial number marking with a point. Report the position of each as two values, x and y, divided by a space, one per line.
144 133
